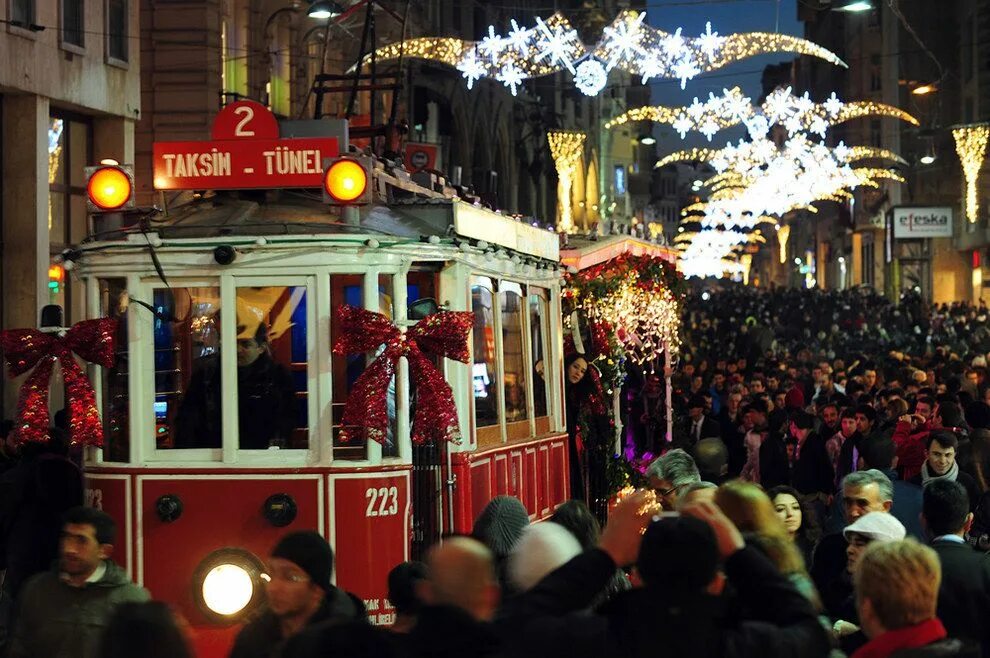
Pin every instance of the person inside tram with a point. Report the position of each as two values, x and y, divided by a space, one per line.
265 398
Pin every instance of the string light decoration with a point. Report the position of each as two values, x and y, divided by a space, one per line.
797 113
783 233
971 146
566 148
627 44
634 297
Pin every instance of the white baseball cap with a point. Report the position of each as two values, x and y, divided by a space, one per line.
878 526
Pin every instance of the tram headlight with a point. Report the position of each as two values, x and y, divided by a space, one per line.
227 584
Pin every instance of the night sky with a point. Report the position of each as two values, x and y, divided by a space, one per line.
727 17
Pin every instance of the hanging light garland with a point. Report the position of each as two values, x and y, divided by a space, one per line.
637 299
971 146
627 44
566 148
796 113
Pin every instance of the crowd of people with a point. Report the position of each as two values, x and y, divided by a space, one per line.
825 493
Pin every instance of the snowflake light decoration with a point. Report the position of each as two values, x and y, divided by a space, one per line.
591 77
628 44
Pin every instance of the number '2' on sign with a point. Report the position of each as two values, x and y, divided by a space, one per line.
382 501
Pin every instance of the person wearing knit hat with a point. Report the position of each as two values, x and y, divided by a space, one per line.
542 548
794 398
299 596
499 526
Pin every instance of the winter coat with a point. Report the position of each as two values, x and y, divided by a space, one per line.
964 595
812 472
548 621
57 620
963 478
266 406
262 637
33 497
925 640
912 445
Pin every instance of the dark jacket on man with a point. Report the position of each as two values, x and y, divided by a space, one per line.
547 621
58 620
775 467
266 403
812 472
262 637
34 495
964 596
963 478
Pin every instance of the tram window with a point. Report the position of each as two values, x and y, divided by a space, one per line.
483 368
187 368
539 334
116 428
513 352
345 289
272 371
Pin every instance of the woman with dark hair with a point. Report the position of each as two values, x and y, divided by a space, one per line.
799 520
146 629
588 433
575 516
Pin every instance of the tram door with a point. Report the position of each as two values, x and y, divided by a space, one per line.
429 461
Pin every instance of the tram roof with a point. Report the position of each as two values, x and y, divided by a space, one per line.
583 252
267 213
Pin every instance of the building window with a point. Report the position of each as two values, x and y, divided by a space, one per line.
876 73
69 152
117 34
867 258
876 132
72 22
22 12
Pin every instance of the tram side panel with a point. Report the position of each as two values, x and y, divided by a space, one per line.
535 472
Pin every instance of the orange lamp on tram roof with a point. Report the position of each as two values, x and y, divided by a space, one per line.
346 181
109 187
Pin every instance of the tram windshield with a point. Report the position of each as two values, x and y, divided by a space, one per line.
271 375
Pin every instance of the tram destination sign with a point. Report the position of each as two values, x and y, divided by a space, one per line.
928 222
245 152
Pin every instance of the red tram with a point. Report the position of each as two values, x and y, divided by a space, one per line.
249 257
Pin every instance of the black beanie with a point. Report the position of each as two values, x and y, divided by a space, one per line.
678 554
308 550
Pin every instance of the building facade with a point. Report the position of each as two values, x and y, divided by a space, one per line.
196 56
895 52
70 97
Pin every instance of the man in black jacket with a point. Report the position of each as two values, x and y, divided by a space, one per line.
964 596
812 473
299 595
940 464
679 610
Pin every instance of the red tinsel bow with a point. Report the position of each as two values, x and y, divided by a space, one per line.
366 412
24 349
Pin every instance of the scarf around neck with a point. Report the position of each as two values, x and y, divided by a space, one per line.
950 475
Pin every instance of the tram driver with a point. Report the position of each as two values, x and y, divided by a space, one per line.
265 398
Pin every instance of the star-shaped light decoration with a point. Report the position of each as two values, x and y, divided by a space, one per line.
492 45
556 44
511 76
710 42
471 69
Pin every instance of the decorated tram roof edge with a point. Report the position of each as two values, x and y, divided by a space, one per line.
258 180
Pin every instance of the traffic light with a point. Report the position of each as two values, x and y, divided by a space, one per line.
109 187
347 181
56 278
